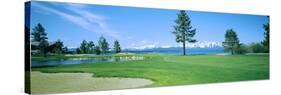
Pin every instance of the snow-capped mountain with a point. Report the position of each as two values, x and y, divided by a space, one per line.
204 44
199 44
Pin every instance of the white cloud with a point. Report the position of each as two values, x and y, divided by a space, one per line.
81 17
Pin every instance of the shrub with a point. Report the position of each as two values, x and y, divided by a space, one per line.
242 49
257 48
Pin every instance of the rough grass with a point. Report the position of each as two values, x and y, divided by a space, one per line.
167 70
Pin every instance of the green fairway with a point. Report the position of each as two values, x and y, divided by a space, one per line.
167 70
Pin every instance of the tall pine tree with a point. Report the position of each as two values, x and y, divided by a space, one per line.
103 45
183 30
84 47
231 42
91 47
117 47
40 36
39 33
265 42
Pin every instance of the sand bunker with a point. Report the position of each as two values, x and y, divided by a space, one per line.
42 83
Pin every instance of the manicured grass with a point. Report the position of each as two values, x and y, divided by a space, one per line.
177 69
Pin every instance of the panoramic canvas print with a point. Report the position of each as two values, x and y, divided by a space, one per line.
71 47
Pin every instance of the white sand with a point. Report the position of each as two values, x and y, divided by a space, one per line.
42 83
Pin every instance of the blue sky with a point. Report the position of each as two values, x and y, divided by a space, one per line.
137 27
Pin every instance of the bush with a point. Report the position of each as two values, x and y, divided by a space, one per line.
257 48
242 49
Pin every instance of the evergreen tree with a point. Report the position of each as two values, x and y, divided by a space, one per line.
43 47
39 33
265 42
183 29
58 47
40 36
78 51
65 50
97 50
117 48
91 47
103 45
84 47
231 42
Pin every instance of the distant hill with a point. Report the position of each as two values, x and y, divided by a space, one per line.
200 47
177 50
199 44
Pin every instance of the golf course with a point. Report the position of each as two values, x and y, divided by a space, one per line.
165 70
90 49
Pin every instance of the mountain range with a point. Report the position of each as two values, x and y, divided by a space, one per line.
199 44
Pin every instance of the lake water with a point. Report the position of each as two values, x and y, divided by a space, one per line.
179 51
84 60
116 59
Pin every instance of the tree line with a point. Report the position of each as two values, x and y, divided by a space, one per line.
184 33
101 48
232 44
41 46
